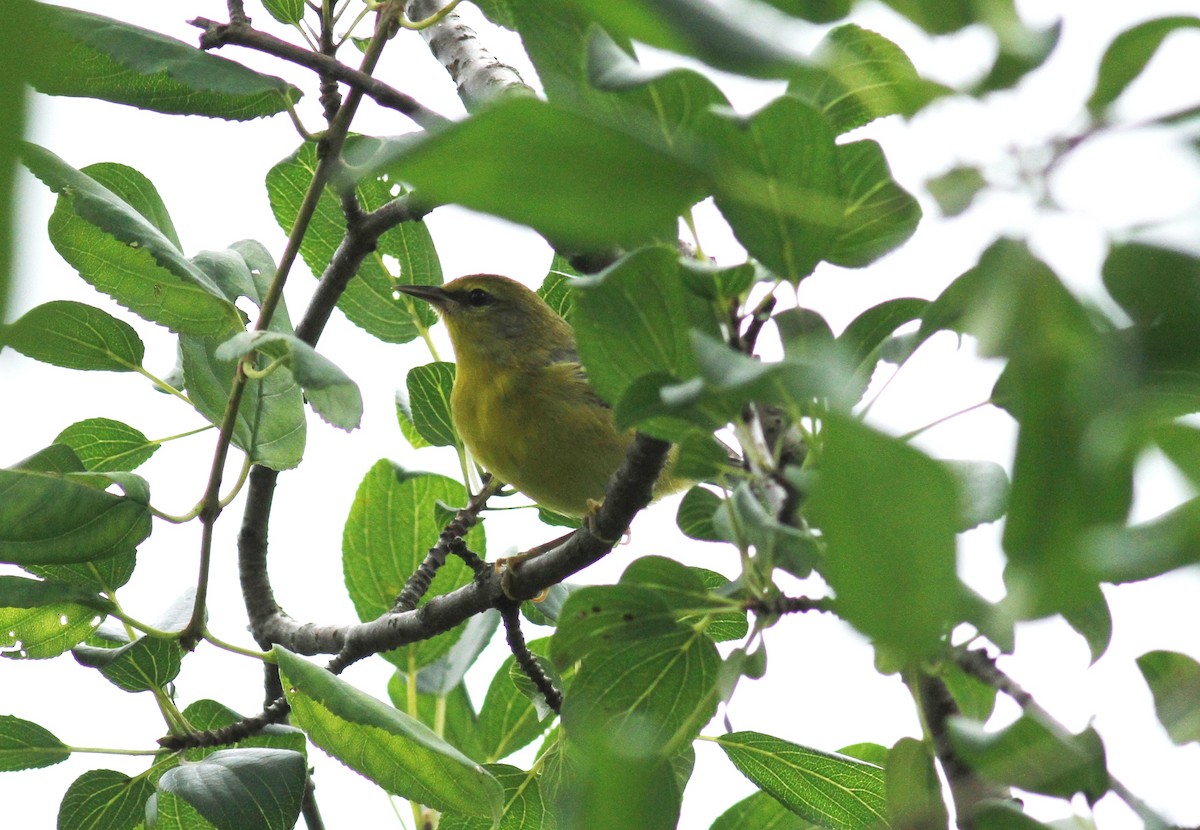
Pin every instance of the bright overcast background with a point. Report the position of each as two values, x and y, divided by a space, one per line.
821 689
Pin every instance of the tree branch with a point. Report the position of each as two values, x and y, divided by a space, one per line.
511 615
479 76
628 492
217 35
937 706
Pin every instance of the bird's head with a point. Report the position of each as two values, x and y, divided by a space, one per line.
497 320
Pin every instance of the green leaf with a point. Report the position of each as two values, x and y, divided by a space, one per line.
1181 444
123 254
270 425
285 11
695 515
82 54
1117 553
48 520
1034 757
975 698
879 215
776 544
721 283
762 812
104 445
1157 288
634 319
671 108
233 789
619 690
104 799
982 492
956 189
408 428
1092 621
328 390
727 379
569 174
1127 56
508 718
446 673
700 456
555 37
56 459
404 255
914 792
936 16
612 769
858 76
689 592
1021 48
1174 680
498 11
1007 814
132 187
429 389
862 343
1064 380
395 751
718 36
776 174
556 287
897 557
524 808
75 336
21 592
595 618
171 812
827 789
453 710
146 664
25 745
815 11
40 619
390 529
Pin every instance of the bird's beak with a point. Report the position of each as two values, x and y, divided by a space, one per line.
432 294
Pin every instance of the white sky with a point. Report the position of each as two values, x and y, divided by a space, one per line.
821 689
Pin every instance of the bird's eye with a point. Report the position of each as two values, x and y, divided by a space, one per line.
477 297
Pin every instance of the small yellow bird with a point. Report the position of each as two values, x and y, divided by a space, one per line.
521 401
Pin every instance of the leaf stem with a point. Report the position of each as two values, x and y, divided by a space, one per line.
102 750
418 25
908 436
163 386
230 647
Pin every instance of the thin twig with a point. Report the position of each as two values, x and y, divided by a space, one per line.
983 667
510 613
217 35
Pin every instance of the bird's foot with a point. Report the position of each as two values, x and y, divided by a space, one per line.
589 524
507 565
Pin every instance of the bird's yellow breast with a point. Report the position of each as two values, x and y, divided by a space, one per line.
540 429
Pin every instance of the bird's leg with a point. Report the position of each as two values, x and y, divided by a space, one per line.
508 564
511 562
